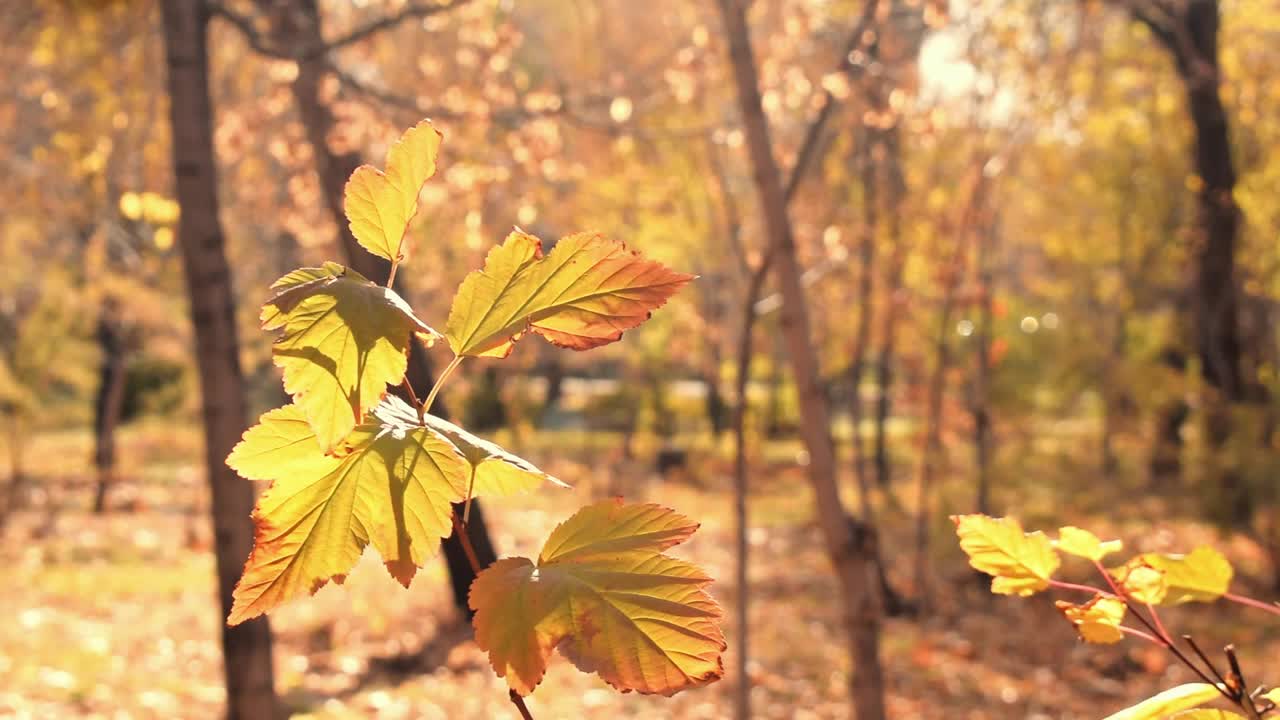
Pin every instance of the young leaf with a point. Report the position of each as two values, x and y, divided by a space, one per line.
495 472
1097 621
584 294
379 206
1157 707
1082 543
389 485
345 339
604 594
1203 575
1021 563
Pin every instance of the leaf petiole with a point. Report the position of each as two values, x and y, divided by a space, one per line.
435 389
391 278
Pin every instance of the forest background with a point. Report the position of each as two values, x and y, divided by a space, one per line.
1034 242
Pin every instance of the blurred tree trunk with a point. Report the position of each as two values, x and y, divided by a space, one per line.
110 398
1188 29
849 544
866 167
17 475
980 403
246 647
299 25
888 142
741 486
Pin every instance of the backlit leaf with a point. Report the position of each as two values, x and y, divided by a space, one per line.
1021 563
1082 543
1097 621
380 205
1203 575
388 485
584 294
1157 707
344 340
604 594
496 472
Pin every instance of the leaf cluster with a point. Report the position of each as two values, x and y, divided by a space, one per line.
350 465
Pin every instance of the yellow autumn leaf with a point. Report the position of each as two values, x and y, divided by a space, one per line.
282 444
584 294
380 205
1082 543
603 594
344 340
388 485
1020 562
1203 575
494 471
1142 582
1169 702
1097 621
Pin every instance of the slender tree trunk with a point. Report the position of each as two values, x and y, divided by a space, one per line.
742 693
862 334
110 399
932 447
246 647
980 408
849 544
885 357
302 26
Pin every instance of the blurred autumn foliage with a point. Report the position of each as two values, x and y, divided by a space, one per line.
1035 244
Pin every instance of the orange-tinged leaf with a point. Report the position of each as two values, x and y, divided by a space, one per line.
1021 563
1203 575
1082 543
603 593
380 205
391 487
1169 702
1097 621
344 340
583 294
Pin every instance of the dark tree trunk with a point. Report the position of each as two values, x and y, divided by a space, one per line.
246 647
1189 31
110 399
301 26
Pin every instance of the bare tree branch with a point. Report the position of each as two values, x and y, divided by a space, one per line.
251 35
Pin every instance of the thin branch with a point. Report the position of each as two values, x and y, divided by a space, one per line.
256 41
1245 700
1204 658
1250 602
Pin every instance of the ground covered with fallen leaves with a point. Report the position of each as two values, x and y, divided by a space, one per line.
115 615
